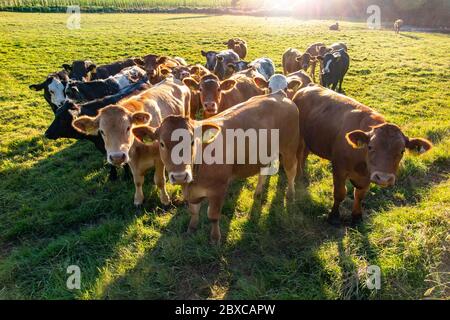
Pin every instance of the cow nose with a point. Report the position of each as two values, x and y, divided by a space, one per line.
179 177
117 158
185 75
211 107
383 179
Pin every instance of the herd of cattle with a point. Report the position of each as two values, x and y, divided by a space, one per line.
129 110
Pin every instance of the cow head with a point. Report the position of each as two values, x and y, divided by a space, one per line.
179 172
152 64
113 124
304 60
329 61
237 66
385 145
211 58
210 89
61 127
54 89
278 82
80 70
181 72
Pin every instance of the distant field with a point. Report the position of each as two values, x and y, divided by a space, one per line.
58 209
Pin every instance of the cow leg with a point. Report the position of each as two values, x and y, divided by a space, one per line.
259 187
160 181
290 168
340 192
334 86
112 173
340 84
313 71
138 178
214 211
302 155
194 209
359 195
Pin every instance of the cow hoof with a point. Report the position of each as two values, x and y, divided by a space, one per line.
356 221
334 220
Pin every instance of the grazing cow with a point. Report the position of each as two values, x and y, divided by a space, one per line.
223 59
95 89
237 45
157 67
290 84
398 25
293 61
211 181
53 87
217 96
114 123
360 144
335 27
61 127
336 65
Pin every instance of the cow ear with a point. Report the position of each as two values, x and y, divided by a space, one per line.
140 118
91 67
227 85
219 58
210 131
86 125
418 145
261 83
161 60
145 134
319 58
225 43
139 61
37 87
191 84
67 67
358 139
165 71
203 53
232 66
294 84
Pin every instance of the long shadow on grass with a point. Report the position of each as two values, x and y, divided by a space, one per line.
177 265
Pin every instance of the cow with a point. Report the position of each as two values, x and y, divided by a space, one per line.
202 181
293 60
290 84
114 123
223 59
95 89
86 70
217 96
264 66
237 45
61 127
196 72
157 67
53 86
334 27
360 144
336 65
398 25
211 58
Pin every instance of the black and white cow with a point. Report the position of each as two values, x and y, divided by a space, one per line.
86 70
264 66
335 66
54 87
95 89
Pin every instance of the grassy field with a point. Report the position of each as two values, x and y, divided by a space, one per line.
58 209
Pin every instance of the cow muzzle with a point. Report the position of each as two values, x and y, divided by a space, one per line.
210 107
180 177
383 179
117 158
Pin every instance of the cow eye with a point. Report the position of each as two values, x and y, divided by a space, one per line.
161 144
370 148
128 129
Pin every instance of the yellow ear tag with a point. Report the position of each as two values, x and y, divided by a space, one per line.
147 140
360 144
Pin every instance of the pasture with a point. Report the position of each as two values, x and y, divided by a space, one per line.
58 209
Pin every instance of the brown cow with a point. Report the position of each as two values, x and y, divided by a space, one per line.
200 180
237 45
293 61
217 96
360 144
398 25
334 27
114 122
316 50
157 67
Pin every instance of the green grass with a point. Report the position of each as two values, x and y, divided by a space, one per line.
57 207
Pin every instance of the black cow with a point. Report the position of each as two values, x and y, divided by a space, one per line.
61 127
53 86
335 66
86 70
